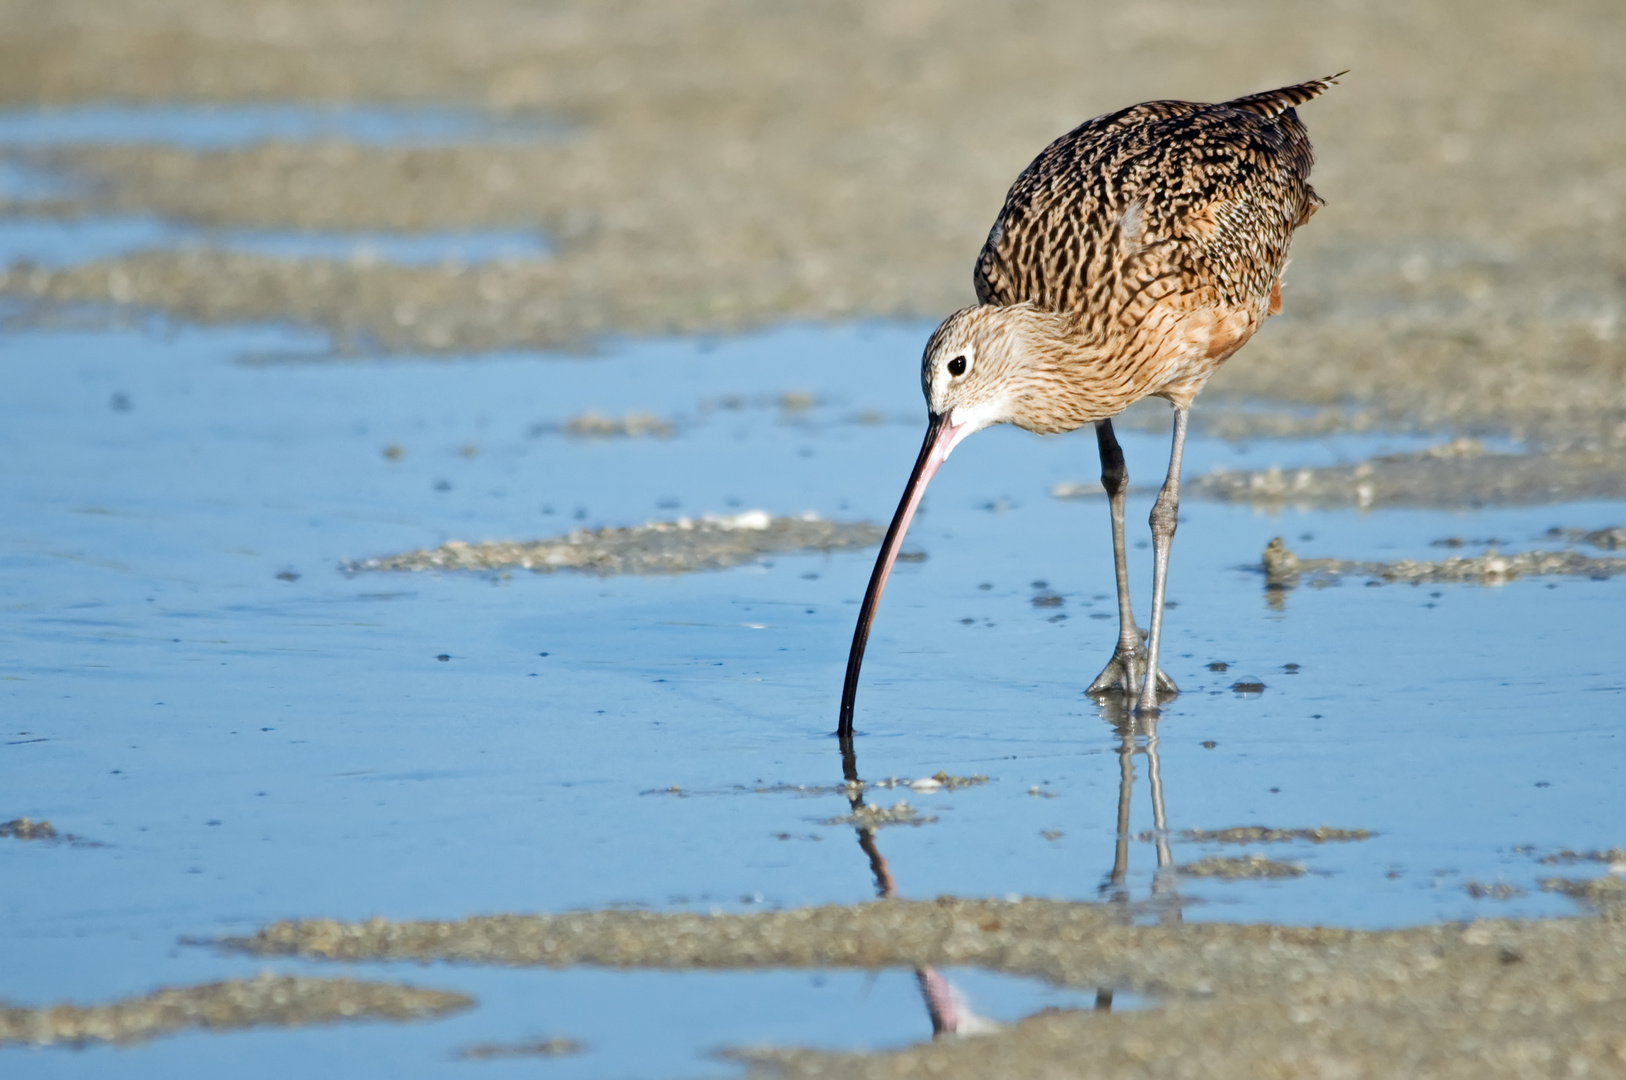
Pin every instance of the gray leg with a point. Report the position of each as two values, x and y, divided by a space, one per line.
1127 667
1165 515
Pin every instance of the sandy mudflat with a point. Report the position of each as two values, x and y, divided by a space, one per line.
1493 998
267 1001
732 164
666 547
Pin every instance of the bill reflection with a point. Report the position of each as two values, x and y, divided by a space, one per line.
946 1006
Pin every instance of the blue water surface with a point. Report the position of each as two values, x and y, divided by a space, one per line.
188 678
220 126
54 242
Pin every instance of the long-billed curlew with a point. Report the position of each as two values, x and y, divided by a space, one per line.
1135 254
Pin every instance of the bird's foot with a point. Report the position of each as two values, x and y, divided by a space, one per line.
1125 673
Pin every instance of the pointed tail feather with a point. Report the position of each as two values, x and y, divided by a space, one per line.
1272 103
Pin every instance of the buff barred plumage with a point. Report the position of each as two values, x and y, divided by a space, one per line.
1131 258
1168 217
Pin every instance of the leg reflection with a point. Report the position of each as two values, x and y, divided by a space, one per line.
1115 885
1164 882
1137 734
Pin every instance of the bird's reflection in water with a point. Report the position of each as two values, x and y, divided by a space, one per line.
950 1015
1137 734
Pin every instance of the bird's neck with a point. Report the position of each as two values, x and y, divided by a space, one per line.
1070 377
1051 338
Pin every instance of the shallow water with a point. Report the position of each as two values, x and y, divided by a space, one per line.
63 242
667 1024
222 126
188 679
22 182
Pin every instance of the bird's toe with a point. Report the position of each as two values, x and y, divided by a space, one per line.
1125 673
1115 677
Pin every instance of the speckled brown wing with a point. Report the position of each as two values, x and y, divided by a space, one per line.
1164 203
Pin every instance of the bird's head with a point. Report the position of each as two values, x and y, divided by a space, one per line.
967 369
1008 364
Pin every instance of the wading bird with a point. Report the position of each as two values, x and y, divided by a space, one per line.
1135 254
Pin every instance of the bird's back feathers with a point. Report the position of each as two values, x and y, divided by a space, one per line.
1171 195
1273 103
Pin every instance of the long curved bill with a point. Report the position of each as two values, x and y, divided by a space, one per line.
941 437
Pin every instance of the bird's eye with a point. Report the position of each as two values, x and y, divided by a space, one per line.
956 367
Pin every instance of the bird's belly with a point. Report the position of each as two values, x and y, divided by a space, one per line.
1192 346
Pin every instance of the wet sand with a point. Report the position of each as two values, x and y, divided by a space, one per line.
1489 998
1458 474
660 547
267 1001
1284 569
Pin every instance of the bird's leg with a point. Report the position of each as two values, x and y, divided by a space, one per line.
1128 664
1165 515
